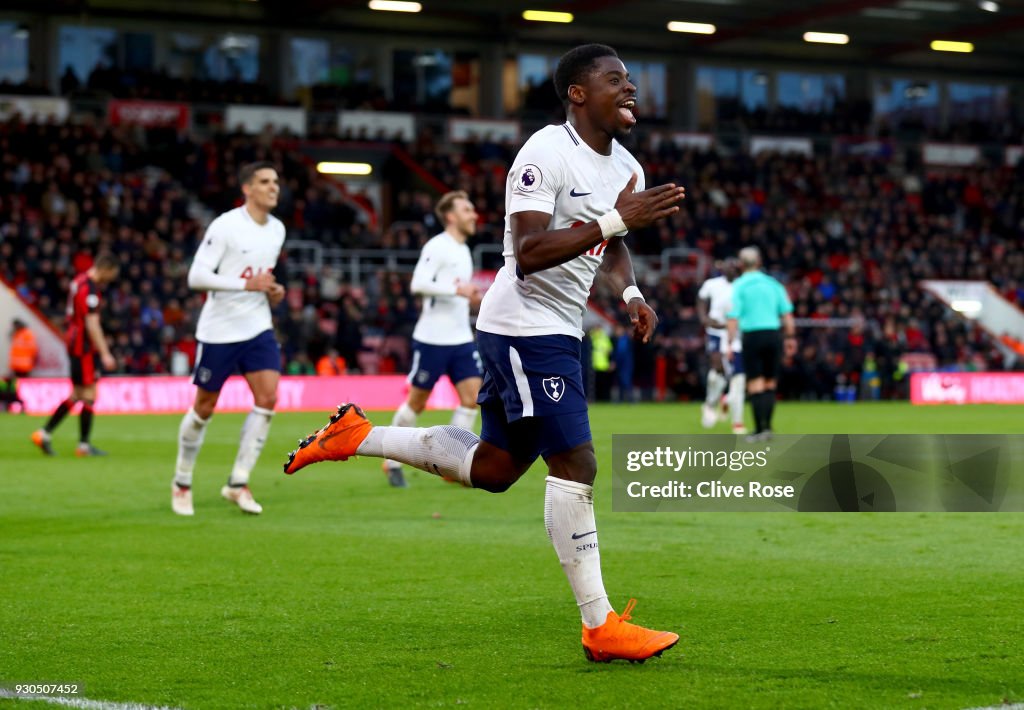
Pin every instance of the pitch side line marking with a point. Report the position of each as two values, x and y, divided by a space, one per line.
82 703
1014 706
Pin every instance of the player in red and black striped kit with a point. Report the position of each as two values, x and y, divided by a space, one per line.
85 341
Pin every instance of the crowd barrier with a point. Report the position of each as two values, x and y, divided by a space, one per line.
967 388
163 395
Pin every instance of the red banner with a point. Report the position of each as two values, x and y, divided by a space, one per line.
150 114
154 395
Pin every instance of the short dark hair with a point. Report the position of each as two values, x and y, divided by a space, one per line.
574 65
106 260
249 170
447 203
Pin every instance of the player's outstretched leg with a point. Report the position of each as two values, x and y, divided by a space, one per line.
404 416
444 451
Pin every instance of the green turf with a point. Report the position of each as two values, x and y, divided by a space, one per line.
348 593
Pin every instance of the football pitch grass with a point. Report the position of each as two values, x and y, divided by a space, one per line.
348 593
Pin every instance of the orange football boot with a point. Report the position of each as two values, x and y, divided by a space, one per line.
40 439
617 639
335 442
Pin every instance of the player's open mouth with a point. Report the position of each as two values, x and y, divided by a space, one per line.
627 111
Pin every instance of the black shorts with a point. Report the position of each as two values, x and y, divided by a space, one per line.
762 354
83 370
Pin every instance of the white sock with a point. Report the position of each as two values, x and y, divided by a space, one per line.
444 451
569 519
254 435
464 418
737 393
190 440
716 385
404 416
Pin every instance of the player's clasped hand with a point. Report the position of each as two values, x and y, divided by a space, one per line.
275 294
641 209
261 282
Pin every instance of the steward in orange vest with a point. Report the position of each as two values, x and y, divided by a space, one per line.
24 350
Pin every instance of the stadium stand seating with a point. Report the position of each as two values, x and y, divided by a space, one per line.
850 236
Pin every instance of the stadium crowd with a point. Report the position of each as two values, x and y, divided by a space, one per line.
850 237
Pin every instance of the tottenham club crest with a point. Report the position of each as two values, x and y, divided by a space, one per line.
554 387
528 178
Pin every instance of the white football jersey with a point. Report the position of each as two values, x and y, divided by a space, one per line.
556 173
443 264
236 247
718 290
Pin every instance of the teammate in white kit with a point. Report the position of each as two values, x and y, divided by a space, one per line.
234 264
572 194
442 342
713 303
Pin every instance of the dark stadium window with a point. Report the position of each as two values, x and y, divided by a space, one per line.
138 51
422 80
908 104
311 61
87 50
809 92
535 88
985 103
13 53
233 57
727 94
353 65
535 69
465 92
184 55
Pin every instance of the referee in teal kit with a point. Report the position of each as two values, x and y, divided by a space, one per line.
760 309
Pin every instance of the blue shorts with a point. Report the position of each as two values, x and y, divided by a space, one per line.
216 362
713 344
735 364
532 401
429 362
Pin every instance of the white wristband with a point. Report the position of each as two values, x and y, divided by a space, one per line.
611 224
632 292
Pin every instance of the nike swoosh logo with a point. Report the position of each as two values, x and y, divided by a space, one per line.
327 437
577 536
573 193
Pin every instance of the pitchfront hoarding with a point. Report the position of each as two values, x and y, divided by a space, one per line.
163 395
150 114
34 108
967 388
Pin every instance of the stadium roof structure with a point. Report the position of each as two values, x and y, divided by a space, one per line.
881 32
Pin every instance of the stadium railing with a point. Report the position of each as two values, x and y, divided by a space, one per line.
353 265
